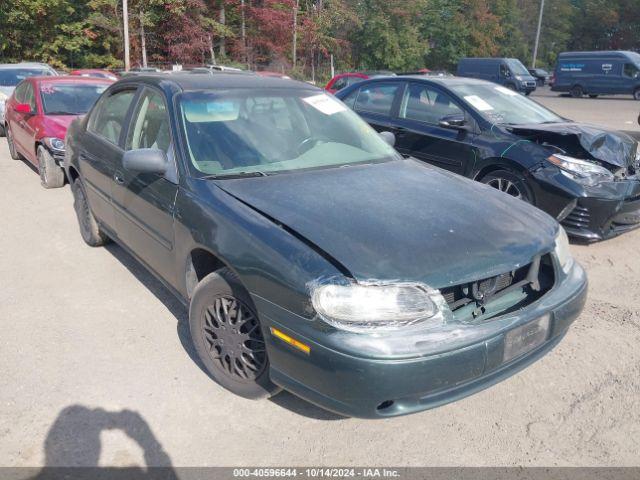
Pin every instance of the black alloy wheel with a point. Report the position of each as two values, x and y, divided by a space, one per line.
232 334
510 183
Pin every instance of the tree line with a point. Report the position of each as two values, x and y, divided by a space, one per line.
304 37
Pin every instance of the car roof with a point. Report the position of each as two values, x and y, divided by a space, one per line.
445 81
70 79
205 81
25 65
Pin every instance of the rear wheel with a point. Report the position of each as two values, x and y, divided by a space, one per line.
12 147
89 228
636 94
510 183
51 175
577 91
228 336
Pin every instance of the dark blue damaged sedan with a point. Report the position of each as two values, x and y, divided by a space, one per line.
312 256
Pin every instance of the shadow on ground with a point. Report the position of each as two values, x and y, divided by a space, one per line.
73 446
178 310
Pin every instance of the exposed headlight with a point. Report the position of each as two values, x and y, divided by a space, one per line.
563 254
55 143
581 170
378 307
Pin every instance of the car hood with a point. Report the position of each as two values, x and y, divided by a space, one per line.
56 125
610 146
402 220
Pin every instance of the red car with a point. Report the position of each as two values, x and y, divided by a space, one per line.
94 72
343 80
38 114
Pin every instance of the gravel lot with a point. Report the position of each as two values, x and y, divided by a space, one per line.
97 369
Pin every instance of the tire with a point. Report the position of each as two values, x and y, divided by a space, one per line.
89 229
51 175
636 94
527 93
2 134
593 95
510 183
12 147
511 86
577 91
234 356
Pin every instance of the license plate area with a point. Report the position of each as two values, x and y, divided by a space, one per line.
525 338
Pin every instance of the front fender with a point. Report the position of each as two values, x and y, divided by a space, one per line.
270 262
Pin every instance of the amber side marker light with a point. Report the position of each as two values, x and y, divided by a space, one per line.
291 341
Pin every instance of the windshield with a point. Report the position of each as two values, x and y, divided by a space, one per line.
264 131
500 105
69 98
10 77
516 67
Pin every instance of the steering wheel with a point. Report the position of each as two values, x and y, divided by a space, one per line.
308 143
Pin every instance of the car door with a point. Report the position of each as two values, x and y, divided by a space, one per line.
376 102
144 202
23 128
419 134
101 151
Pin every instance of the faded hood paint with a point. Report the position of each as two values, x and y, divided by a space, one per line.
403 220
610 146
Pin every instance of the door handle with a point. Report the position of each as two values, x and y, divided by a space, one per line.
119 179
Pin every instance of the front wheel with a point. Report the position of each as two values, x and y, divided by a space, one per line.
51 175
228 337
593 95
636 94
510 183
89 228
577 91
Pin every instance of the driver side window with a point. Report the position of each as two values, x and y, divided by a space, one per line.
504 71
426 104
151 124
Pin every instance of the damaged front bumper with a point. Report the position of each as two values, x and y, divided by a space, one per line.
589 212
377 376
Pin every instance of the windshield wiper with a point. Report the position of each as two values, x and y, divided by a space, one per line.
235 175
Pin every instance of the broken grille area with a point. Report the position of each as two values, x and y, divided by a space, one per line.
531 281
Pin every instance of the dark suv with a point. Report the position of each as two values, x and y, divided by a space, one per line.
312 256
584 175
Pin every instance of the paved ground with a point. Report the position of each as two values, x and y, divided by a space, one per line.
616 111
96 368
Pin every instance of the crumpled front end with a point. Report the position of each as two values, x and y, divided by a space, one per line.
591 212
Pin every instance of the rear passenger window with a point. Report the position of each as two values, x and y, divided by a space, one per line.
350 99
340 84
108 118
426 104
377 98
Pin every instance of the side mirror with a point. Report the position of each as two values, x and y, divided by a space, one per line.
145 160
454 122
388 137
23 108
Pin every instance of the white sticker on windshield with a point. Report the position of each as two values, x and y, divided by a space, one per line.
325 104
506 91
479 103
